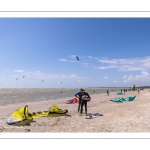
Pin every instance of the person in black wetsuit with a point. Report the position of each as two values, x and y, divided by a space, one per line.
82 100
107 92
79 99
124 90
121 90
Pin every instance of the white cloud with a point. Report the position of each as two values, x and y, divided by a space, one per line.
125 64
19 71
144 73
73 76
64 60
124 77
105 77
90 57
115 81
144 77
101 67
42 75
73 56
59 76
72 59
113 61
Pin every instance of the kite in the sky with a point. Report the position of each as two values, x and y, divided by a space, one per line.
77 58
23 76
16 78
42 80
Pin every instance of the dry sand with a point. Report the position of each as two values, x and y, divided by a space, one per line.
132 116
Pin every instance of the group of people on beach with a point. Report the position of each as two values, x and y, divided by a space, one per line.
82 95
125 90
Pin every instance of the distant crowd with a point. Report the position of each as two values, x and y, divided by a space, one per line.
125 90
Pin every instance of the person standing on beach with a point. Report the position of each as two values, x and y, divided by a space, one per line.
84 95
124 90
79 99
121 90
138 90
107 92
82 100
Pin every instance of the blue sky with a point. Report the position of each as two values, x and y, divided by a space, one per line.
112 52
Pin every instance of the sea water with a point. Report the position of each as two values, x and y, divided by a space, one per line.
21 95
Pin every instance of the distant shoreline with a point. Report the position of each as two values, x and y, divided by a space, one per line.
75 87
122 87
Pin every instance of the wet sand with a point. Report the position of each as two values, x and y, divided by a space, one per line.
132 116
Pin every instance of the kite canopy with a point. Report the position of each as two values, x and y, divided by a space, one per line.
77 58
133 87
121 99
72 101
53 111
20 117
119 93
130 98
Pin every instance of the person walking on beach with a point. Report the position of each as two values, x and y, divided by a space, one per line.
107 92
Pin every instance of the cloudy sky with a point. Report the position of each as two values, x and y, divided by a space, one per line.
41 52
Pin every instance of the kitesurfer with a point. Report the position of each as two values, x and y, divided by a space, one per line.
82 100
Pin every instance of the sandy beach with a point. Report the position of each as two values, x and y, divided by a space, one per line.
132 116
